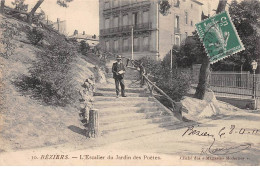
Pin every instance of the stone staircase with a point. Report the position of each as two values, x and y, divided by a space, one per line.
133 116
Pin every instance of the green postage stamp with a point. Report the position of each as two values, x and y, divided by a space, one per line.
219 37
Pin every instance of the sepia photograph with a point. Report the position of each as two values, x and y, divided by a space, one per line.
129 83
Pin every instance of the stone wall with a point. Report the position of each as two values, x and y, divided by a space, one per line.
86 102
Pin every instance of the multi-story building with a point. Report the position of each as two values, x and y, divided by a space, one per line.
153 33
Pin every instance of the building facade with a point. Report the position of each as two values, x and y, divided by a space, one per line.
153 33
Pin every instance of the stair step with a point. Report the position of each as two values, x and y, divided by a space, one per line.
124 124
147 113
136 126
105 98
126 110
127 90
156 118
138 133
107 104
99 93
132 129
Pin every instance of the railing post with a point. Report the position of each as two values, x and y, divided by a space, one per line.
248 80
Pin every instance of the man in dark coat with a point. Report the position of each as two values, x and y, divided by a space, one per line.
118 70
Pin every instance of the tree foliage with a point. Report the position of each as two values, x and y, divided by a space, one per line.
246 18
63 3
174 84
84 47
34 36
20 5
164 7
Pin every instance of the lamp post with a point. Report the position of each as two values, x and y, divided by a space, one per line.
254 66
171 52
132 37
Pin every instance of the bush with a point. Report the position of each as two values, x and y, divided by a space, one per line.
51 72
84 47
34 36
175 85
9 31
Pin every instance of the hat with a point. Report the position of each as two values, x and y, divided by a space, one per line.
118 57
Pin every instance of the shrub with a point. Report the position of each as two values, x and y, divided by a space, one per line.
9 31
175 84
52 73
84 47
34 36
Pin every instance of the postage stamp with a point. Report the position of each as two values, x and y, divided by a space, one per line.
219 37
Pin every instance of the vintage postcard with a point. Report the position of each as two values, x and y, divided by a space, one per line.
129 83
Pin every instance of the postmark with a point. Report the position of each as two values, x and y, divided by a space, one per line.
219 37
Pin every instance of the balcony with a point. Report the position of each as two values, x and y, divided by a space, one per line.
127 6
126 29
145 47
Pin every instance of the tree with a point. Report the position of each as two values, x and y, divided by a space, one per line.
164 7
63 3
204 70
20 6
31 14
245 16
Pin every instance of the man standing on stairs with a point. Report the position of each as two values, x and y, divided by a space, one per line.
118 70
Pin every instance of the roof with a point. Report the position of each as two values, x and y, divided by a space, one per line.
198 2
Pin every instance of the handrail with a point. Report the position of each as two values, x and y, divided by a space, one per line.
160 90
177 107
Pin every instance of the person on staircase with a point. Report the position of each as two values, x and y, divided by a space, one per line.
118 70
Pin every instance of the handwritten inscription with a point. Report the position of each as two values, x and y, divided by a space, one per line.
225 150
213 148
192 131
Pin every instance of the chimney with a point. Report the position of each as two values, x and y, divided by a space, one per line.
83 33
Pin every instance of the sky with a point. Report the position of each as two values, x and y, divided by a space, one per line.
82 15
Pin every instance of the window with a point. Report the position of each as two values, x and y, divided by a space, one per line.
107 45
191 23
177 22
135 18
191 6
116 46
125 45
107 24
177 3
116 22
124 2
136 44
146 43
145 17
115 3
177 41
106 5
186 17
125 20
